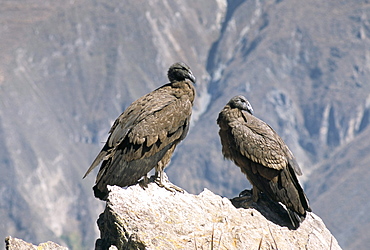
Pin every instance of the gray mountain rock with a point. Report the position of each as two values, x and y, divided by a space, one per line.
18 244
336 189
155 218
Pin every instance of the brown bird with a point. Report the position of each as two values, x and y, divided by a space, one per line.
145 135
262 156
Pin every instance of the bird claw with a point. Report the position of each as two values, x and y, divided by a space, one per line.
244 200
245 193
168 186
161 179
250 194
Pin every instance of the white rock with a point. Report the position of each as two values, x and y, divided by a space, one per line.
155 218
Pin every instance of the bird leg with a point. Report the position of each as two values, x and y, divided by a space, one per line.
256 194
160 177
162 180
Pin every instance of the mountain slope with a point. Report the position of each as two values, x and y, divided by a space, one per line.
339 190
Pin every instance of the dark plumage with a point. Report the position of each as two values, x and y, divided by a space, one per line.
145 135
263 156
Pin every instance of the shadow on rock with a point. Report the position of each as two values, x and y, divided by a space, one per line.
271 210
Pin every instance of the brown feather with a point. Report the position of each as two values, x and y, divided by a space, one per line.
262 155
145 135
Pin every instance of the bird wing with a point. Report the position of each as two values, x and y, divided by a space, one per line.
147 126
265 159
163 122
257 141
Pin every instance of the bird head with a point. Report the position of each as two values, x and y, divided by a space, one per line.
179 72
241 103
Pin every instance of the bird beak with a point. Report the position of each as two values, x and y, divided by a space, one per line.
192 77
250 109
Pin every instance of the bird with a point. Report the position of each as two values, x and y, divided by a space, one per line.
263 157
146 134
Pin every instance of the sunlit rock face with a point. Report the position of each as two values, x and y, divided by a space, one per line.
155 218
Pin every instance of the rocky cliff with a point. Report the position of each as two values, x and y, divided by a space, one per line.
155 218
18 244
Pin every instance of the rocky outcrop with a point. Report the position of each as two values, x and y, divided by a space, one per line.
18 244
155 218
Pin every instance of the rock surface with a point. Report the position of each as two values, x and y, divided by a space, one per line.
154 218
18 244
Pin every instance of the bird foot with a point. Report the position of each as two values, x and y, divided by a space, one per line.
247 197
245 193
168 186
161 180
253 194
244 200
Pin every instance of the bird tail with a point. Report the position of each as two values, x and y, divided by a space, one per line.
291 194
295 218
96 162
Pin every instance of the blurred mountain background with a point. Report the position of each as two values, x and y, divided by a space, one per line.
69 68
